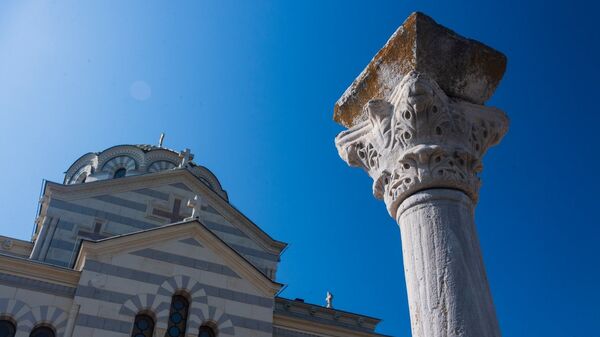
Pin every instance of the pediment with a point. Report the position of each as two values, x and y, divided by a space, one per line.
155 243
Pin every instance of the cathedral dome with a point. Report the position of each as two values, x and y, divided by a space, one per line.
132 160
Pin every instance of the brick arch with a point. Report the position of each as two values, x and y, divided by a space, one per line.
181 283
160 165
122 161
178 283
17 311
76 177
213 316
200 312
87 160
45 314
155 304
121 150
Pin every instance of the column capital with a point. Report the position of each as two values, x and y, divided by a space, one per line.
463 68
416 119
419 139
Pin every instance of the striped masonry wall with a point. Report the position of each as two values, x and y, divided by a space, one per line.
113 289
132 211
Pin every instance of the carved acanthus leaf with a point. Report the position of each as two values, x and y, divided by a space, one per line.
421 139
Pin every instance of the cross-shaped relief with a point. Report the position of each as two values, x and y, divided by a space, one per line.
95 234
172 211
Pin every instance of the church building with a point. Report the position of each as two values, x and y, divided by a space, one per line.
138 240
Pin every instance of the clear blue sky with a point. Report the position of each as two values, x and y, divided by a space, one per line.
249 86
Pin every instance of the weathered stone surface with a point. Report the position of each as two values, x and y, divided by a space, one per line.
448 292
417 125
463 68
421 139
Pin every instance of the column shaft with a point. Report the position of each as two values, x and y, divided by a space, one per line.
447 286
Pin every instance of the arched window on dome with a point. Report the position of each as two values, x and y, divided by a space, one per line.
42 331
178 316
82 178
206 331
7 328
143 326
120 173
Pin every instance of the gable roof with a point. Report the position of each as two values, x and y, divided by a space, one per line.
189 228
228 211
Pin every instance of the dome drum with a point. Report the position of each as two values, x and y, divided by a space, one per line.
132 160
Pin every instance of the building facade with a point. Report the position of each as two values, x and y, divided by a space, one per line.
140 241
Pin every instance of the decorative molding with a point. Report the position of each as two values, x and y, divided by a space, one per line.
158 305
17 311
40 271
212 316
421 139
26 317
90 159
320 329
160 165
49 315
13 246
124 161
121 150
209 179
161 155
320 314
138 160
83 172
186 284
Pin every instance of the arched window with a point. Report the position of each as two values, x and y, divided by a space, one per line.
7 328
120 173
42 331
82 177
143 326
206 331
178 316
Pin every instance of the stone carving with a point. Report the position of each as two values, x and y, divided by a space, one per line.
7 244
420 138
462 67
418 126
196 206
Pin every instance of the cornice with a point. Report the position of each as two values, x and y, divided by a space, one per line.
32 269
307 326
288 305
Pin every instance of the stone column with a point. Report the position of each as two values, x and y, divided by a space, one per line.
417 124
